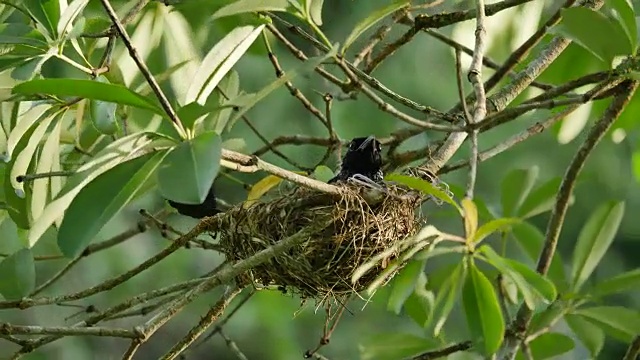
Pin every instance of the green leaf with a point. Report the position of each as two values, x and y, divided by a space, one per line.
403 285
245 6
18 275
519 281
635 162
626 18
617 321
111 155
393 346
69 15
263 186
25 157
18 33
188 171
470 218
47 12
531 240
31 68
627 281
594 241
366 23
589 334
48 156
314 9
103 114
541 284
540 200
446 296
94 25
17 205
482 310
87 89
420 304
493 226
24 123
592 30
230 86
516 186
248 101
440 250
423 186
549 345
219 61
323 173
101 200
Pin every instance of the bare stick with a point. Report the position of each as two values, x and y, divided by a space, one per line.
11 329
212 315
245 163
480 109
232 345
430 355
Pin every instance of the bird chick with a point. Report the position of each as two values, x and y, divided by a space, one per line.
362 159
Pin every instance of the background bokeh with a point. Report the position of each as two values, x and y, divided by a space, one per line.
271 325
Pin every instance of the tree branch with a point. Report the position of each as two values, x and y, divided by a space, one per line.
597 132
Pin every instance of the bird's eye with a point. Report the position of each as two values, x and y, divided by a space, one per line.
353 145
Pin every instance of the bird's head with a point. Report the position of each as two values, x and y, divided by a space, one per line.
365 150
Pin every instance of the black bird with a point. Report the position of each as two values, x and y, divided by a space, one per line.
363 157
198 211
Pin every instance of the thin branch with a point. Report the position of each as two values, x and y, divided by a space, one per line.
465 108
550 52
222 323
301 55
444 19
377 37
523 50
227 274
120 238
297 140
113 282
633 352
295 92
386 107
486 61
596 133
436 354
212 315
507 94
480 109
232 345
245 163
166 105
390 49
369 80
11 329
534 129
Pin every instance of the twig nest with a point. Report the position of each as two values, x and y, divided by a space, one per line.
322 265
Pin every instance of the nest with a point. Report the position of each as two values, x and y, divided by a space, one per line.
323 263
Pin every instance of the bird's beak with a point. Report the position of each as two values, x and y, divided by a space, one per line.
366 142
